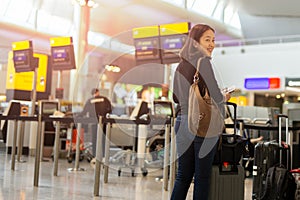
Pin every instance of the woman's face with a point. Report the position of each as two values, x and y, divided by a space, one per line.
207 42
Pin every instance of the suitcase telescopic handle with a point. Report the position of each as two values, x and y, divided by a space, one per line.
234 105
281 116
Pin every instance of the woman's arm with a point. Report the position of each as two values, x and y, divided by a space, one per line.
208 76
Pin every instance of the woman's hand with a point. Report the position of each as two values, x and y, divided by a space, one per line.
227 96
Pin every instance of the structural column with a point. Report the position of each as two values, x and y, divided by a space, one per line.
80 39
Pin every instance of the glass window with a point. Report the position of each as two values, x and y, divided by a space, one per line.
176 2
203 6
217 9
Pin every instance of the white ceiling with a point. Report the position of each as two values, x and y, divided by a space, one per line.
270 8
112 18
259 18
269 18
116 18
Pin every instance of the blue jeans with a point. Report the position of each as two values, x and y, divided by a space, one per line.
195 158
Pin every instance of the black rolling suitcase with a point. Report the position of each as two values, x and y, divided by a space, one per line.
267 155
227 177
231 146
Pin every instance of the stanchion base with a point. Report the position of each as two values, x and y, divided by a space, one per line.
76 169
159 179
45 160
21 161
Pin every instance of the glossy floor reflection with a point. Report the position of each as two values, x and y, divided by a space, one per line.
79 185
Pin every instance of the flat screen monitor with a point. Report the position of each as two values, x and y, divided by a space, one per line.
63 57
147 48
23 60
171 46
49 107
140 109
13 108
163 108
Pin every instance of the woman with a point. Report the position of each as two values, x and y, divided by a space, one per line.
192 162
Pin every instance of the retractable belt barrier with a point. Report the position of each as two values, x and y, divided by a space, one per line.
150 120
262 127
40 119
78 122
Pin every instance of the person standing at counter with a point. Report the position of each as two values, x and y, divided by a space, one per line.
94 107
195 153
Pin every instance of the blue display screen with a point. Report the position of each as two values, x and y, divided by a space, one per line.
59 53
147 48
172 43
23 60
63 57
170 47
20 57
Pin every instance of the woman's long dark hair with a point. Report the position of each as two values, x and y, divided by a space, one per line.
189 51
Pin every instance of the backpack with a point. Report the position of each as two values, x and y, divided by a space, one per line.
280 184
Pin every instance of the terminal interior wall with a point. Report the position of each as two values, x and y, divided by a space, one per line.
268 60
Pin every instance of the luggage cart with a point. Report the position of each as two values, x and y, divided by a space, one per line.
126 159
123 137
155 151
156 145
147 139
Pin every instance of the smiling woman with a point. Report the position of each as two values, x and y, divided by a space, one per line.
196 150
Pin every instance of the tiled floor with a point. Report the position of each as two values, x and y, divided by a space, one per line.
19 183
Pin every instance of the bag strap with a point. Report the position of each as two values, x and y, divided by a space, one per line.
196 75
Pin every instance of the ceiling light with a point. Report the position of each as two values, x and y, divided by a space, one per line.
112 68
92 4
89 3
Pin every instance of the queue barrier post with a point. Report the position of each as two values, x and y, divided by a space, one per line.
107 151
13 149
99 157
56 147
38 153
166 157
77 154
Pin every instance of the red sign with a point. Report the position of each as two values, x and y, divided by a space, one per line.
274 83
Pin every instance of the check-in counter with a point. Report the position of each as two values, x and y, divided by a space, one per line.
29 134
17 108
